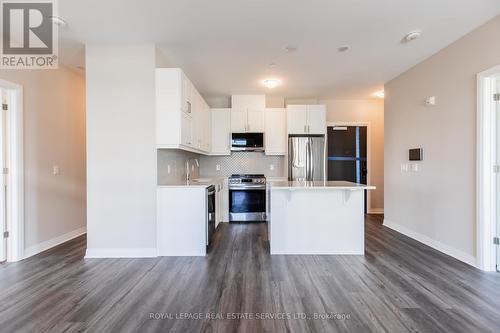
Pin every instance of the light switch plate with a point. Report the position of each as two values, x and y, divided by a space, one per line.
414 167
55 170
404 167
217 167
271 167
169 169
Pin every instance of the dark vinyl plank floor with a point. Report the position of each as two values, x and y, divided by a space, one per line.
400 285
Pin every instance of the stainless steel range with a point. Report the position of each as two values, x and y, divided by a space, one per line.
247 198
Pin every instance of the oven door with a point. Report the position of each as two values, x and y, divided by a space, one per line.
247 204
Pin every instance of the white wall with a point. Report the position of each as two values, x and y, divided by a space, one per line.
437 204
54 134
365 111
121 150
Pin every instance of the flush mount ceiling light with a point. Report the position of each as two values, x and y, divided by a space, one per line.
344 48
411 36
271 83
379 94
58 21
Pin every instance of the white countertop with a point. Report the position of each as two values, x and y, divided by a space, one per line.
195 183
318 185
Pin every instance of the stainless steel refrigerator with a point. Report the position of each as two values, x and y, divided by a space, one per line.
306 158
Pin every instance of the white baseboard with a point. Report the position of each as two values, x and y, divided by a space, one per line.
446 249
121 253
43 246
375 211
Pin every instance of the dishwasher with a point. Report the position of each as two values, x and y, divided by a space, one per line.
210 214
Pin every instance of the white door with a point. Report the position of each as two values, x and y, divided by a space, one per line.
297 119
255 120
275 134
3 221
316 119
221 131
498 175
238 121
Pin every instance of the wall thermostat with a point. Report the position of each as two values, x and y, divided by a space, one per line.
416 154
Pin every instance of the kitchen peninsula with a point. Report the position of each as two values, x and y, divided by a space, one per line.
316 217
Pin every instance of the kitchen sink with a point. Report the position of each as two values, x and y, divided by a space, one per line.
202 180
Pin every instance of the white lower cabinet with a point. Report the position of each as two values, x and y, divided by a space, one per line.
222 202
181 221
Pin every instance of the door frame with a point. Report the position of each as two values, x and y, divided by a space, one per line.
366 124
485 177
15 180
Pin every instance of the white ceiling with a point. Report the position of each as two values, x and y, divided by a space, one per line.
226 46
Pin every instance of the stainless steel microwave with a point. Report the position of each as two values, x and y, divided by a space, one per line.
247 142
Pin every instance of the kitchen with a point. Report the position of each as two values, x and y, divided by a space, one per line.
248 163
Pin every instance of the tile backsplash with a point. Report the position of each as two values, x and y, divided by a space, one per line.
176 160
243 162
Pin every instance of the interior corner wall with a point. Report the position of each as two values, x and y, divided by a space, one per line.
437 204
365 111
121 150
53 134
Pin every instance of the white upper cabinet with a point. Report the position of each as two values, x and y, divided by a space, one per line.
238 120
316 119
221 131
275 132
247 114
182 116
255 120
243 102
306 119
297 119
247 120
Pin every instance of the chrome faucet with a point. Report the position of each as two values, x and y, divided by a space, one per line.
188 169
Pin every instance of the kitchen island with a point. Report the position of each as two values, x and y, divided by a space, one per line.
318 217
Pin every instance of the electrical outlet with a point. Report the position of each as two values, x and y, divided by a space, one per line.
217 167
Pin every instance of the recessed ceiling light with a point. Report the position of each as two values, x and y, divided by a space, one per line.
290 48
379 94
271 83
411 36
344 48
58 21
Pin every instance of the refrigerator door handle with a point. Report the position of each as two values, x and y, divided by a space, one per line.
310 162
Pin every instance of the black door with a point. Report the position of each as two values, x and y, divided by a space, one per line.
347 146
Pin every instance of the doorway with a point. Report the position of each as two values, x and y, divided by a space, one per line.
11 168
488 170
348 154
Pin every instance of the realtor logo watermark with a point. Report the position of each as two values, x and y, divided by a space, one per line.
29 37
